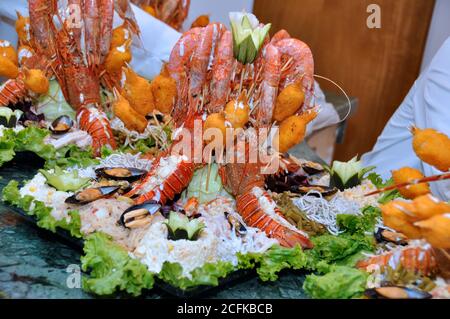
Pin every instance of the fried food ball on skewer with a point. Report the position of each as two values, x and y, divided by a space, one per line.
8 51
288 101
138 92
164 90
23 28
150 10
129 116
201 21
36 81
436 230
120 35
118 57
407 174
396 216
216 121
427 206
8 69
292 131
432 147
237 112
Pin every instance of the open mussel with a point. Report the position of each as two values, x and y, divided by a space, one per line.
314 190
139 215
120 173
61 125
91 194
285 181
396 292
234 222
384 235
312 168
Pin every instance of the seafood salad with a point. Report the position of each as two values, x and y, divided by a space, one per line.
187 178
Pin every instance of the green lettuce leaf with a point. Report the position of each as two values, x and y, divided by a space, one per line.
274 260
6 150
111 268
278 258
32 139
355 224
208 275
339 283
379 183
71 155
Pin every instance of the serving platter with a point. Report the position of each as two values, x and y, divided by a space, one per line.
26 165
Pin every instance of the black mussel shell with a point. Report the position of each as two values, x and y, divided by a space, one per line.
61 125
396 292
91 194
121 173
323 190
138 212
384 235
312 168
284 182
239 228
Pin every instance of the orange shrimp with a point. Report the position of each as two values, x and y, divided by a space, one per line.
301 66
179 59
107 12
174 12
92 30
418 259
201 57
221 73
41 12
269 85
280 35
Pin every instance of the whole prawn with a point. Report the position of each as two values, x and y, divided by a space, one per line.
221 73
299 65
419 259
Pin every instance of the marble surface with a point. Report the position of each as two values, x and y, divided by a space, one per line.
34 262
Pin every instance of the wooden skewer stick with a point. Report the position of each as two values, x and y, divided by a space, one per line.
208 175
428 179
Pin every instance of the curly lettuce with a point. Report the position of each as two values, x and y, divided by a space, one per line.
42 213
207 275
111 268
29 139
340 282
71 155
274 260
388 196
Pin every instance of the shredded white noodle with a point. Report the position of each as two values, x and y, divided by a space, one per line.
126 160
325 212
155 131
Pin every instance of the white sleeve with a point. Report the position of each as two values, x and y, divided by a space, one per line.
435 112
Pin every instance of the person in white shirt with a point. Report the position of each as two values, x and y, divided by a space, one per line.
427 105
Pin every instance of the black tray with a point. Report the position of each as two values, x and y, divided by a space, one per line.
64 236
